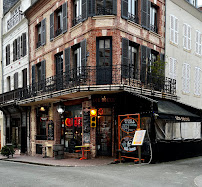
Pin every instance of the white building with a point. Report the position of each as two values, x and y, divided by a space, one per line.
15 69
183 50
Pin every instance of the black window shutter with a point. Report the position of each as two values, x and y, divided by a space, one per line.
43 74
43 32
7 55
14 50
91 8
24 43
83 56
16 80
144 9
52 26
67 63
143 63
114 7
24 78
64 15
124 9
162 57
149 63
18 48
148 14
21 45
84 10
125 68
33 78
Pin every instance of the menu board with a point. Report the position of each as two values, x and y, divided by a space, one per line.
139 137
128 125
86 125
50 130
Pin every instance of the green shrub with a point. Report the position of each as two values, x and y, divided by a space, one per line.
7 150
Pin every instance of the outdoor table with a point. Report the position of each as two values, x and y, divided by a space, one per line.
83 147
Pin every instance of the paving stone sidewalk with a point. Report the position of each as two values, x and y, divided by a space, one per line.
68 162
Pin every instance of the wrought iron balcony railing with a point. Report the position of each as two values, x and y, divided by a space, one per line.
58 32
133 18
154 28
90 76
14 20
102 10
76 20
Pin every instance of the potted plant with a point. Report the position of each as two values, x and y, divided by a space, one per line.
7 150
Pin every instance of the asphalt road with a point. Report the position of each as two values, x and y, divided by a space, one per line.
184 173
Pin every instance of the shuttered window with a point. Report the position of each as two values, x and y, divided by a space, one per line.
8 54
186 36
106 7
174 29
145 14
24 45
43 32
198 43
172 68
15 50
197 90
18 48
16 80
186 78
125 59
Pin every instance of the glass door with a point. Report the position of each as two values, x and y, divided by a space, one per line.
104 133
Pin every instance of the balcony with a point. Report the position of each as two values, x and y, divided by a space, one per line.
93 78
133 18
76 20
102 10
14 20
154 28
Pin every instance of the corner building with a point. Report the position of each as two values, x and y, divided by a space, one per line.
88 54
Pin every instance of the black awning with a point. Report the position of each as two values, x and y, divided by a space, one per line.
175 111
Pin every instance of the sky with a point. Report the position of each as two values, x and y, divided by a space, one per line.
199 2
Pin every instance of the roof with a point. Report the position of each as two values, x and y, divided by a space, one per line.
8 4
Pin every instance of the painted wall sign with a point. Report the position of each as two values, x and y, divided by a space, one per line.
128 125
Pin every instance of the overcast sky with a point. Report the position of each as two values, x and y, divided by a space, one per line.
199 2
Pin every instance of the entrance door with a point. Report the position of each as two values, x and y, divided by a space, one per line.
59 71
16 132
104 135
104 61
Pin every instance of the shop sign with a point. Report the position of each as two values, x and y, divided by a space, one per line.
104 99
139 137
126 144
77 122
182 118
128 125
43 118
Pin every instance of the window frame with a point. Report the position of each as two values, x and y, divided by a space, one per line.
175 30
198 43
197 90
186 36
186 70
153 18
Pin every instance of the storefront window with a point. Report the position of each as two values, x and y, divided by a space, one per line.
73 128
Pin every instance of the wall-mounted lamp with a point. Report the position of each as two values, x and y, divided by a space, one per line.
42 109
60 109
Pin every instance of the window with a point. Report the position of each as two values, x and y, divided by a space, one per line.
193 2
186 78
8 83
16 80
58 21
104 7
187 37
133 10
41 33
172 68
77 12
133 60
23 45
198 43
16 17
59 71
77 60
8 54
153 18
197 90
24 78
174 29
16 49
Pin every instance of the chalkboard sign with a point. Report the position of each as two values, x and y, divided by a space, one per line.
86 125
126 144
128 125
50 130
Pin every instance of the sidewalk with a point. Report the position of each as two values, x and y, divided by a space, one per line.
68 162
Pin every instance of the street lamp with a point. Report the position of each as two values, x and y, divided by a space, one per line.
60 109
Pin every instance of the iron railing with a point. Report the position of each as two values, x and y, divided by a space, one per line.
76 20
41 137
14 20
58 32
103 10
154 28
133 18
89 76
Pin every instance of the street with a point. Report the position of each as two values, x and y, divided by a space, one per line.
187 172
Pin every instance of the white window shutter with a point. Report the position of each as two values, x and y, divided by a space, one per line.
172 28
197 44
189 37
195 82
200 43
174 68
176 31
184 35
188 78
184 78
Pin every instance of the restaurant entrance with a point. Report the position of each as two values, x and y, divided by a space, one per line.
104 132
